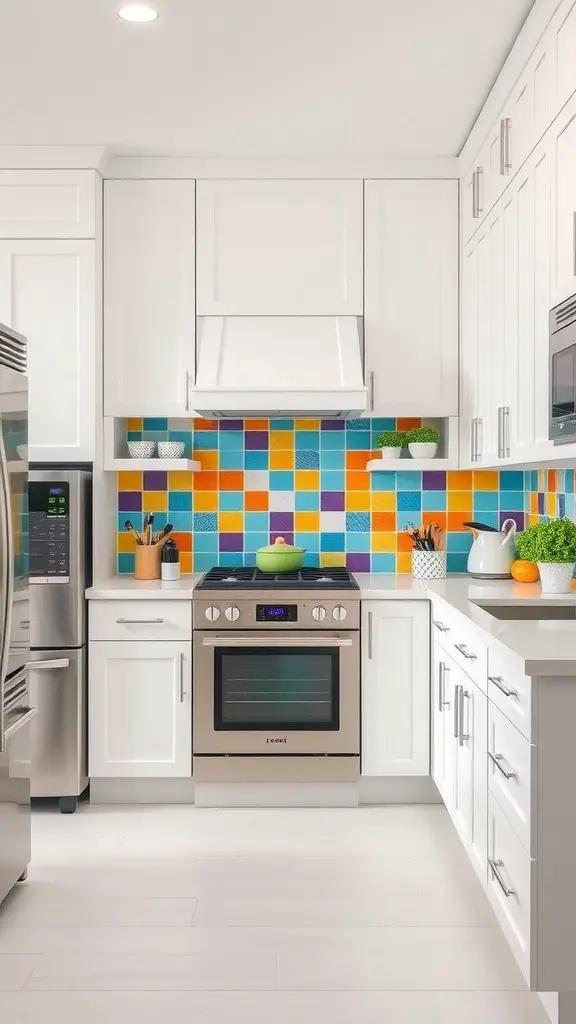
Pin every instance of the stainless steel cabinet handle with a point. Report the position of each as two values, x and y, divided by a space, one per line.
370 635
138 622
500 431
479 437
284 641
494 865
440 625
505 145
472 440
475 210
507 430
457 689
28 715
25 623
466 652
52 663
497 760
182 690
479 191
463 737
187 394
506 690
372 382
443 669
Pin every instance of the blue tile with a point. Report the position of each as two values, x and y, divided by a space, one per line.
434 501
561 505
486 501
330 480
181 521
134 435
307 439
254 540
332 542
205 522
126 562
358 522
511 480
333 459
230 559
310 541
489 519
383 480
205 440
160 520
332 439
180 501
307 501
357 543
311 558
206 542
569 482
204 560
256 460
231 501
256 522
185 436
307 459
281 480
408 480
409 501
512 501
461 541
357 424
380 423
154 423
533 476
359 440
154 435
570 506
231 460
229 440
456 562
383 562
404 519
281 424
134 517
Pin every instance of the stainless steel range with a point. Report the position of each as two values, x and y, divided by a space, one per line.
276 676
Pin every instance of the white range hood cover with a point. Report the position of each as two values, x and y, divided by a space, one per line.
279 366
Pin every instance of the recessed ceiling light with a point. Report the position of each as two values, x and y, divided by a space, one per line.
137 12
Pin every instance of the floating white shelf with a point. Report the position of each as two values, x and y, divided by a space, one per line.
18 466
401 465
160 465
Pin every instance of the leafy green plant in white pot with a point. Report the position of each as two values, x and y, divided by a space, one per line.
391 443
423 442
552 544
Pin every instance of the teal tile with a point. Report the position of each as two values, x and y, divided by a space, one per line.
255 460
331 480
180 501
134 517
383 562
307 439
307 459
231 501
281 424
256 522
512 501
181 521
511 480
408 480
486 501
409 501
229 440
254 540
357 543
126 562
205 440
332 439
359 440
310 541
281 480
231 460
459 541
383 480
206 542
456 562
204 560
405 518
357 522
307 501
154 423
332 542
333 459
434 501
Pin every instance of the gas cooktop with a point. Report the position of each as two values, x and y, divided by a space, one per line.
249 578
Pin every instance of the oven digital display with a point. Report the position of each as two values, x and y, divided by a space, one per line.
276 613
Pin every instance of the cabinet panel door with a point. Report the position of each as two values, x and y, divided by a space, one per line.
510 342
140 709
470 812
273 248
484 326
443 749
411 305
47 293
564 271
565 51
49 204
149 305
395 687
469 355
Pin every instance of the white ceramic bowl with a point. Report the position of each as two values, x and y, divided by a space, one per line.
141 449
171 449
22 450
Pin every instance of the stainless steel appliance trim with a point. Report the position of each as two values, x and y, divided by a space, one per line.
273 768
494 865
286 640
7 584
463 737
59 735
21 721
51 664
457 689
506 690
497 760
139 622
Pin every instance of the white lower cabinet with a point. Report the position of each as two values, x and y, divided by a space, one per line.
140 709
395 688
443 761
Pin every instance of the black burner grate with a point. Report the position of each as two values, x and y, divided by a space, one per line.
249 578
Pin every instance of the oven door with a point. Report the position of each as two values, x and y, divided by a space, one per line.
563 384
276 693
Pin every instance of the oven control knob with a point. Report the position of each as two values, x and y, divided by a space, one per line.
318 613
339 613
212 613
232 613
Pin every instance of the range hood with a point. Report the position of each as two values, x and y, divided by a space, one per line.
279 366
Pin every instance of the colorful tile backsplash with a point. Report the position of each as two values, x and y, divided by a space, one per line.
549 492
305 480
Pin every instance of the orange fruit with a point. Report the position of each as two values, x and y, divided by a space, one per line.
524 571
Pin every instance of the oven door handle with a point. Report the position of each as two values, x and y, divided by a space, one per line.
272 641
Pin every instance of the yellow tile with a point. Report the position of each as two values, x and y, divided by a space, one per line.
134 423
282 440
281 459
332 558
383 542
130 480
485 479
308 480
460 501
307 424
534 502
383 501
403 562
179 480
125 542
550 504
231 522
186 562
359 501
208 459
307 522
533 518
205 501
155 501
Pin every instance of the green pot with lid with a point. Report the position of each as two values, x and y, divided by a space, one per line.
280 557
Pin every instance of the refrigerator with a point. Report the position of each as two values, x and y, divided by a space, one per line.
17 710
60 502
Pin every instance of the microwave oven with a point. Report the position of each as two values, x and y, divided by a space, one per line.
563 372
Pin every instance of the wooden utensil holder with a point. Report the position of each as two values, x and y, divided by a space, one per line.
147 562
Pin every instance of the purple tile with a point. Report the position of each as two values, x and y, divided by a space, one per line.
256 439
130 501
231 542
155 480
332 424
332 501
541 504
358 563
231 424
434 480
288 536
281 520
518 518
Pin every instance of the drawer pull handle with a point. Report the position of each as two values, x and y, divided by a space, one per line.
443 668
139 622
440 625
466 652
497 760
499 682
494 865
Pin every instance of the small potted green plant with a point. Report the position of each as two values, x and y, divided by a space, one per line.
552 544
391 443
423 442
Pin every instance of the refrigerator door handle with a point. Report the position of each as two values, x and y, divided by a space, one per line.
51 663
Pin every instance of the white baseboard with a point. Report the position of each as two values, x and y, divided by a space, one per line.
398 789
276 794
141 791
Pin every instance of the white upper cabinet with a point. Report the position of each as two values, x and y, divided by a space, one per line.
49 204
149 305
279 248
48 293
411 301
564 37
564 157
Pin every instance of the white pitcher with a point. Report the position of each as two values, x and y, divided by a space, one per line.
492 551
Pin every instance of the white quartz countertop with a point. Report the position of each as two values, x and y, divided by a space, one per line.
126 588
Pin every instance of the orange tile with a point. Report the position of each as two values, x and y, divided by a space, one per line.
459 480
307 479
231 522
307 424
155 501
459 500
486 480
408 422
383 501
358 501
207 458
552 480
130 480
382 521
332 558
256 424
185 562
534 502
231 480
201 424
179 480
307 522
403 541
256 501
134 423
125 542
206 481
183 541
357 460
433 518
383 542
455 520
205 501
281 440
281 460
403 562
357 481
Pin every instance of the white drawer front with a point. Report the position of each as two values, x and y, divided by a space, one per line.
510 689
140 620
510 760
510 878
462 640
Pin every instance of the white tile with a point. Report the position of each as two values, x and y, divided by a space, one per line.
14 972
256 480
60 906
281 501
332 522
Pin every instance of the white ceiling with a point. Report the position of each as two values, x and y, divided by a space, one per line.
253 77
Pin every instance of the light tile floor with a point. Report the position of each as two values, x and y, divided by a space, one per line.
162 915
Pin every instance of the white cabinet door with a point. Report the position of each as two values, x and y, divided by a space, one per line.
395 687
49 204
140 709
469 356
411 297
484 344
470 811
564 32
564 255
284 247
443 749
149 305
48 293
467 203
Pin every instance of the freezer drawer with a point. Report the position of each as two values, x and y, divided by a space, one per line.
59 732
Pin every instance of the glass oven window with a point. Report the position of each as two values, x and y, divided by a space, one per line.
563 384
293 688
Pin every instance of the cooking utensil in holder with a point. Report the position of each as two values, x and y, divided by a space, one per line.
429 565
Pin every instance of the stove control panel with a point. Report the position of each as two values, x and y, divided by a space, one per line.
318 613
49 511
264 612
212 613
232 613
339 613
